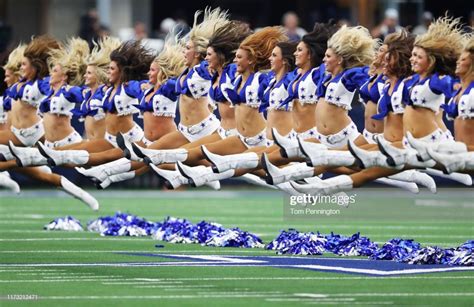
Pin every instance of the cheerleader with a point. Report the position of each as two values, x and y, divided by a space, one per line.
198 125
26 126
299 96
345 63
370 95
193 85
12 76
432 59
68 66
128 64
251 57
461 109
278 115
158 108
95 80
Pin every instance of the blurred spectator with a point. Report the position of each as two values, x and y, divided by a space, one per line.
290 21
140 31
166 26
89 26
388 25
425 23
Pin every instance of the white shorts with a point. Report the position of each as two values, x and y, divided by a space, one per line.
370 137
223 133
133 135
339 140
196 132
29 136
72 138
290 136
146 141
434 137
254 141
308 134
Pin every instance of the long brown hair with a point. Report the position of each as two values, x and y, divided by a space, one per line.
38 52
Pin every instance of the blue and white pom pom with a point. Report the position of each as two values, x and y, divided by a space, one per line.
175 230
354 245
429 255
234 238
463 255
396 249
122 224
298 243
67 223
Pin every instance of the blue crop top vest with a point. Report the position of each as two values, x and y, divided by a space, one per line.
251 92
91 104
304 87
276 94
217 93
464 107
32 92
372 89
197 82
63 101
125 99
396 101
163 102
431 92
341 89
6 99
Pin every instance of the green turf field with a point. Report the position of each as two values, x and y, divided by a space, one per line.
445 219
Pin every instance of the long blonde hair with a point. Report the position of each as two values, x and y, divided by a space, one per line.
14 60
443 43
170 60
100 57
201 33
72 59
354 45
